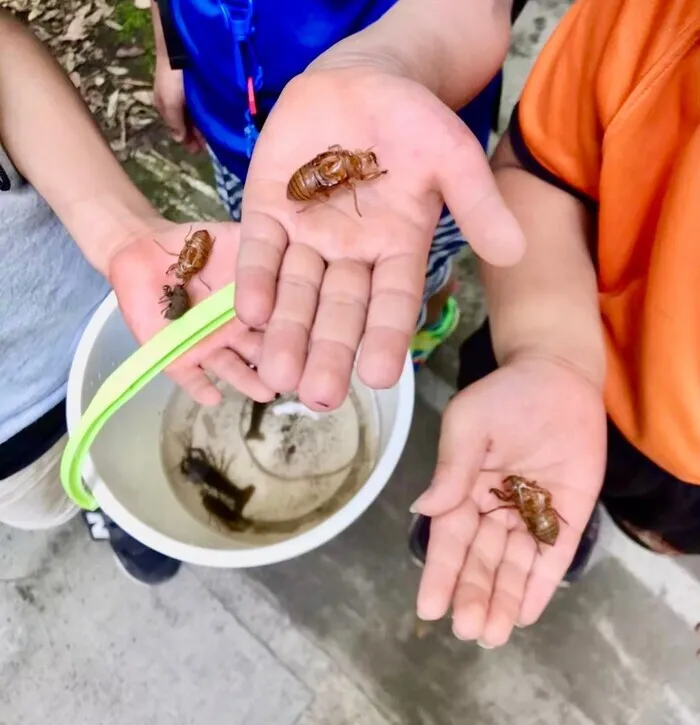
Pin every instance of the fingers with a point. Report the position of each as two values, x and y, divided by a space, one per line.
263 243
461 451
480 567
287 334
170 103
228 366
194 381
509 589
473 593
194 141
227 354
547 572
337 330
471 194
451 536
397 293
192 144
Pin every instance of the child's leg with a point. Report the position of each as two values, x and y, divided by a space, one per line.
33 498
439 315
647 503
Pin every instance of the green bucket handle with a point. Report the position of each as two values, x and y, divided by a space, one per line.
133 374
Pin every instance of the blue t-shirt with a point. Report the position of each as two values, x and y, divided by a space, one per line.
286 37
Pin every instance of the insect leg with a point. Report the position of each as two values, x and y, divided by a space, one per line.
501 495
354 195
560 516
376 174
167 251
498 508
199 277
320 198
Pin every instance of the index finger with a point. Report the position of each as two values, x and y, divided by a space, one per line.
262 247
396 296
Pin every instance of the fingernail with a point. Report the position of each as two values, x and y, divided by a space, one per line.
520 626
414 508
482 645
459 636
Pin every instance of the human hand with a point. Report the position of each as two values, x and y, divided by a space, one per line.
169 100
137 272
326 279
533 417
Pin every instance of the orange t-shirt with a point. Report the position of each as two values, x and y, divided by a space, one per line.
611 111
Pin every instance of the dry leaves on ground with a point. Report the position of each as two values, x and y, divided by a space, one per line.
85 39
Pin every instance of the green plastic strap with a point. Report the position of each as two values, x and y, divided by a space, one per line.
133 374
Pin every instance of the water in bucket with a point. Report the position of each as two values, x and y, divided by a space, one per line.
303 466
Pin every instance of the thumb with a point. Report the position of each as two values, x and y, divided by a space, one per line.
170 103
262 247
461 452
174 118
472 196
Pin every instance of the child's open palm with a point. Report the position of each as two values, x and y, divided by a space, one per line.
535 418
327 279
138 274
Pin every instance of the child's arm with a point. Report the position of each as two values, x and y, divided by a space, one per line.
453 47
546 305
54 143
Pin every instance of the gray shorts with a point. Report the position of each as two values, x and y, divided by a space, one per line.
33 498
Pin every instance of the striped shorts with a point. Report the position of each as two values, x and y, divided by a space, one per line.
447 240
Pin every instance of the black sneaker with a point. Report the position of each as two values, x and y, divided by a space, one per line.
419 535
136 560
582 557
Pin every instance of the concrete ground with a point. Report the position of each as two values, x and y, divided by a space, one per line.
331 639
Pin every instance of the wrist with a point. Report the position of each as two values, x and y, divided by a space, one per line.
354 53
453 54
392 47
103 226
584 362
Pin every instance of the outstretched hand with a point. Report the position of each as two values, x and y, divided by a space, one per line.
327 279
137 274
534 418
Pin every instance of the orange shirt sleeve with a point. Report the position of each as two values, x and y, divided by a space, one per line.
576 87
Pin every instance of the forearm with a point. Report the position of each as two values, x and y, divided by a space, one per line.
453 47
158 34
546 305
52 139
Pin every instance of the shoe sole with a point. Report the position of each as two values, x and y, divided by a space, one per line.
127 574
411 528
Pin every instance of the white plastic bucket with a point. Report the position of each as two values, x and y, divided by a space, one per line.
126 476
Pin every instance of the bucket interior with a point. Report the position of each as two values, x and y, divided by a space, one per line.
128 455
